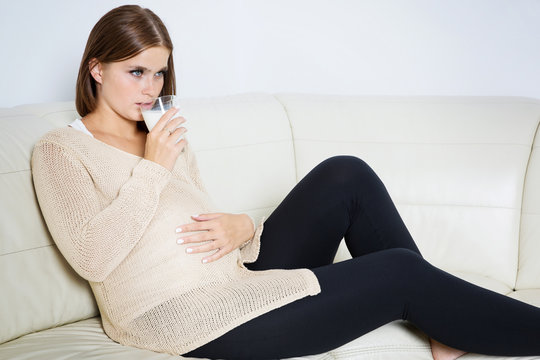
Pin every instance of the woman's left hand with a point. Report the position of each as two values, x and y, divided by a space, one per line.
226 232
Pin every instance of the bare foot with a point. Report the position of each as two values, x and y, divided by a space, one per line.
443 352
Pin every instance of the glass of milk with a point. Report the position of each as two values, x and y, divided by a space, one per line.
152 113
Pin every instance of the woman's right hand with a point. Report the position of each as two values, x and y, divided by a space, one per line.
161 146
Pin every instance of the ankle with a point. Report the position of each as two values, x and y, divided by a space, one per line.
440 351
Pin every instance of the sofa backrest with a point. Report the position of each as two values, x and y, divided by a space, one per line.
455 166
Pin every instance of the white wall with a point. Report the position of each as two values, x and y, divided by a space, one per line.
397 47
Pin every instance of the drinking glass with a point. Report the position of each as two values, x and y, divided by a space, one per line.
153 112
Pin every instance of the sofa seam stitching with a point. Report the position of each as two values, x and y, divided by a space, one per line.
292 137
417 142
398 203
15 171
28 249
521 212
244 145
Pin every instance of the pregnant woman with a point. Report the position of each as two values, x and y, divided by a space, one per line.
170 273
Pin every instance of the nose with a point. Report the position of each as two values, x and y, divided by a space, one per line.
148 86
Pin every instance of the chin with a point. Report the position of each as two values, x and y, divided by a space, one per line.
136 116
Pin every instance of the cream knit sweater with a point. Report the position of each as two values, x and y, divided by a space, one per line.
113 216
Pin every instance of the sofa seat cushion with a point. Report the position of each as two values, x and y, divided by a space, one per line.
82 340
86 340
530 296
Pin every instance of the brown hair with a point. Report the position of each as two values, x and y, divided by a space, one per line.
121 34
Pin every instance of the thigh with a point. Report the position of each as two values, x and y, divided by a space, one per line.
342 197
305 230
347 307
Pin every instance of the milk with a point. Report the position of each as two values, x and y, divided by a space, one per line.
151 117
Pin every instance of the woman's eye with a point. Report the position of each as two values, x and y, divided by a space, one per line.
160 74
136 72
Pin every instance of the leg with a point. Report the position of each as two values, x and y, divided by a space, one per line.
340 197
386 285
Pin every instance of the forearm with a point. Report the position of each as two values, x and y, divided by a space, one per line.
93 237
113 232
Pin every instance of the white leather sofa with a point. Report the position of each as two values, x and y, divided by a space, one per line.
463 171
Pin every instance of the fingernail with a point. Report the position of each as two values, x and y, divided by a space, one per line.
189 250
204 261
180 241
178 230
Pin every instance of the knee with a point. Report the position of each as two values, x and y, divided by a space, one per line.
405 264
346 170
403 255
344 161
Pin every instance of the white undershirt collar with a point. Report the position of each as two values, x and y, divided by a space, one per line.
79 125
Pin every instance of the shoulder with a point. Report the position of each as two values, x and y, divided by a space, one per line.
67 139
64 136
61 143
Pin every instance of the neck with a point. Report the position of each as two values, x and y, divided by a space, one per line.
108 122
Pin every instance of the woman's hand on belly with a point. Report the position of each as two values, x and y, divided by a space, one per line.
223 233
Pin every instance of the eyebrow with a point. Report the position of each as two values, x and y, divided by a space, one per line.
165 68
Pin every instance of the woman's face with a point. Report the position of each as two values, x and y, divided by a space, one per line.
124 85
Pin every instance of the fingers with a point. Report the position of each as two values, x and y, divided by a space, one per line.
211 231
165 119
177 132
201 223
207 247
205 236
218 254
220 251
221 247
196 226
167 125
209 216
174 123
169 130
206 232
173 126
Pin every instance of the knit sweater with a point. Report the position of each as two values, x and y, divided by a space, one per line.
113 216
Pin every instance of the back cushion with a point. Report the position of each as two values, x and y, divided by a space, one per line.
244 150
454 166
38 288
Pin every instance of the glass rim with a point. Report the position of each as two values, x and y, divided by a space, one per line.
161 101
164 97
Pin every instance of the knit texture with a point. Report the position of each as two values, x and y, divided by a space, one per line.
113 217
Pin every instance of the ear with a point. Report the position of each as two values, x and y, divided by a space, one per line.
95 70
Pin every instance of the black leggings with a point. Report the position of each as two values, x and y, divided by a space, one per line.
387 279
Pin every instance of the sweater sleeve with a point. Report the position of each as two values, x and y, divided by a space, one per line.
92 236
249 252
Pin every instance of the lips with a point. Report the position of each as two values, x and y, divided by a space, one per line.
145 105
